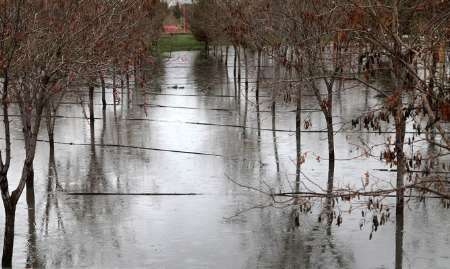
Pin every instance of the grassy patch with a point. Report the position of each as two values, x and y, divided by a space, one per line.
178 42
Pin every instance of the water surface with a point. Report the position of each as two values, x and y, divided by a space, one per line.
187 139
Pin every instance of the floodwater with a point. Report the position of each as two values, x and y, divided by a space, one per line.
187 139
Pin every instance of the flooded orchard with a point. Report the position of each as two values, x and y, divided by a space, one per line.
170 178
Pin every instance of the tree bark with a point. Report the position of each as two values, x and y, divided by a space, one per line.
8 243
127 77
32 260
331 155
399 220
114 86
226 58
8 240
102 81
239 74
400 126
50 130
246 88
234 70
135 75
298 135
30 186
274 136
91 103
258 76
246 70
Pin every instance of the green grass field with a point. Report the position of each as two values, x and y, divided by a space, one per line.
178 42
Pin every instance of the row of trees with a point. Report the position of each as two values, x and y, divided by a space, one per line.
49 46
326 46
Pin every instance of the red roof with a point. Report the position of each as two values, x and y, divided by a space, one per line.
170 28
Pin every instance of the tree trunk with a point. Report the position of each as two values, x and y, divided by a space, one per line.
234 71
400 121
91 103
331 164
246 70
246 88
135 75
258 76
298 135
32 260
226 58
8 243
102 81
239 73
8 240
122 84
50 130
114 86
127 77
30 187
274 135
331 156
399 237
400 126
51 140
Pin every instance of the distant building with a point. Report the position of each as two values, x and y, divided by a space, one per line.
177 19
170 28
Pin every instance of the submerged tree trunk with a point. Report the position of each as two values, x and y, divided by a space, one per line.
32 259
399 223
234 71
239 75
246 69
331 156
30 133
274 135
9 206
50 121
226 59
91 103
330 132
127 77
8 240
298 135
400 127
246 88
326 106
102 81
135 75
114 86
30 187
258 76
10 201
400 85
